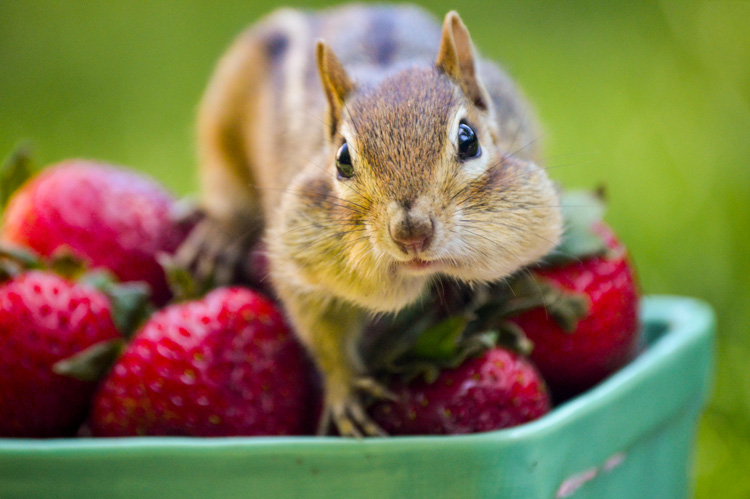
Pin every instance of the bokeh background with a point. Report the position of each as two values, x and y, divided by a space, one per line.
651 98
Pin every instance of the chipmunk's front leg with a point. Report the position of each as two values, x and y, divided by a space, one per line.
331 331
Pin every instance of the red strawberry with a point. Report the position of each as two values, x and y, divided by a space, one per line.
605 337
223 365
43 320
114 218
497 390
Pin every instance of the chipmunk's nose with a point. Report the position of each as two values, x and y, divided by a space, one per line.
412 233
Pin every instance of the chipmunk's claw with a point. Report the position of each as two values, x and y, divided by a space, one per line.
370 386
213 251
350 419
345 424
363 420
348 413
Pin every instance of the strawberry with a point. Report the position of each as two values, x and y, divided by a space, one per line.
496 390
114 218
44 320
574 350
223 365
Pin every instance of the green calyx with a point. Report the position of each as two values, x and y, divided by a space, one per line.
452 324
15 260
92 363
529 291
439 341
129 301
14 172
182 282
581 211
435 335
443 345
129 304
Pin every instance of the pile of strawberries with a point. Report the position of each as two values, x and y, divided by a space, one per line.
92 341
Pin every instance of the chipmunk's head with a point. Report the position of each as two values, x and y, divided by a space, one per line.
424 183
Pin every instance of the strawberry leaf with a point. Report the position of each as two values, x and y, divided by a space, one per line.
529 291
14 172
15 260
92 363
131 306
22 256
569 309
581 211
511 336
65 263
440 341
411 365
388 339
130 301
181 281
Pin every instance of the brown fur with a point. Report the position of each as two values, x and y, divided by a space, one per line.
390 82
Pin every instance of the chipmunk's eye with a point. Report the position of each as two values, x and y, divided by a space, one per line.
468 143
344 162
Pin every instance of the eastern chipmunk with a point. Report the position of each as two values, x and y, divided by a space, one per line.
373 151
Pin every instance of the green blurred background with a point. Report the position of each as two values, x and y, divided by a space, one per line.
652 98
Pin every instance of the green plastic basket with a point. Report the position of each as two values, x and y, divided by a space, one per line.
629 437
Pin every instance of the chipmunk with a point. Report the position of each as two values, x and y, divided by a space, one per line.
372 151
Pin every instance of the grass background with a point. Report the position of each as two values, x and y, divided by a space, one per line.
652 98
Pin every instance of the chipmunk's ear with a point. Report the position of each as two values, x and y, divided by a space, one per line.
336 82
456 58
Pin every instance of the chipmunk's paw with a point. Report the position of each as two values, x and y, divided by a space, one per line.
214 250
350 419
373 388
347 411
